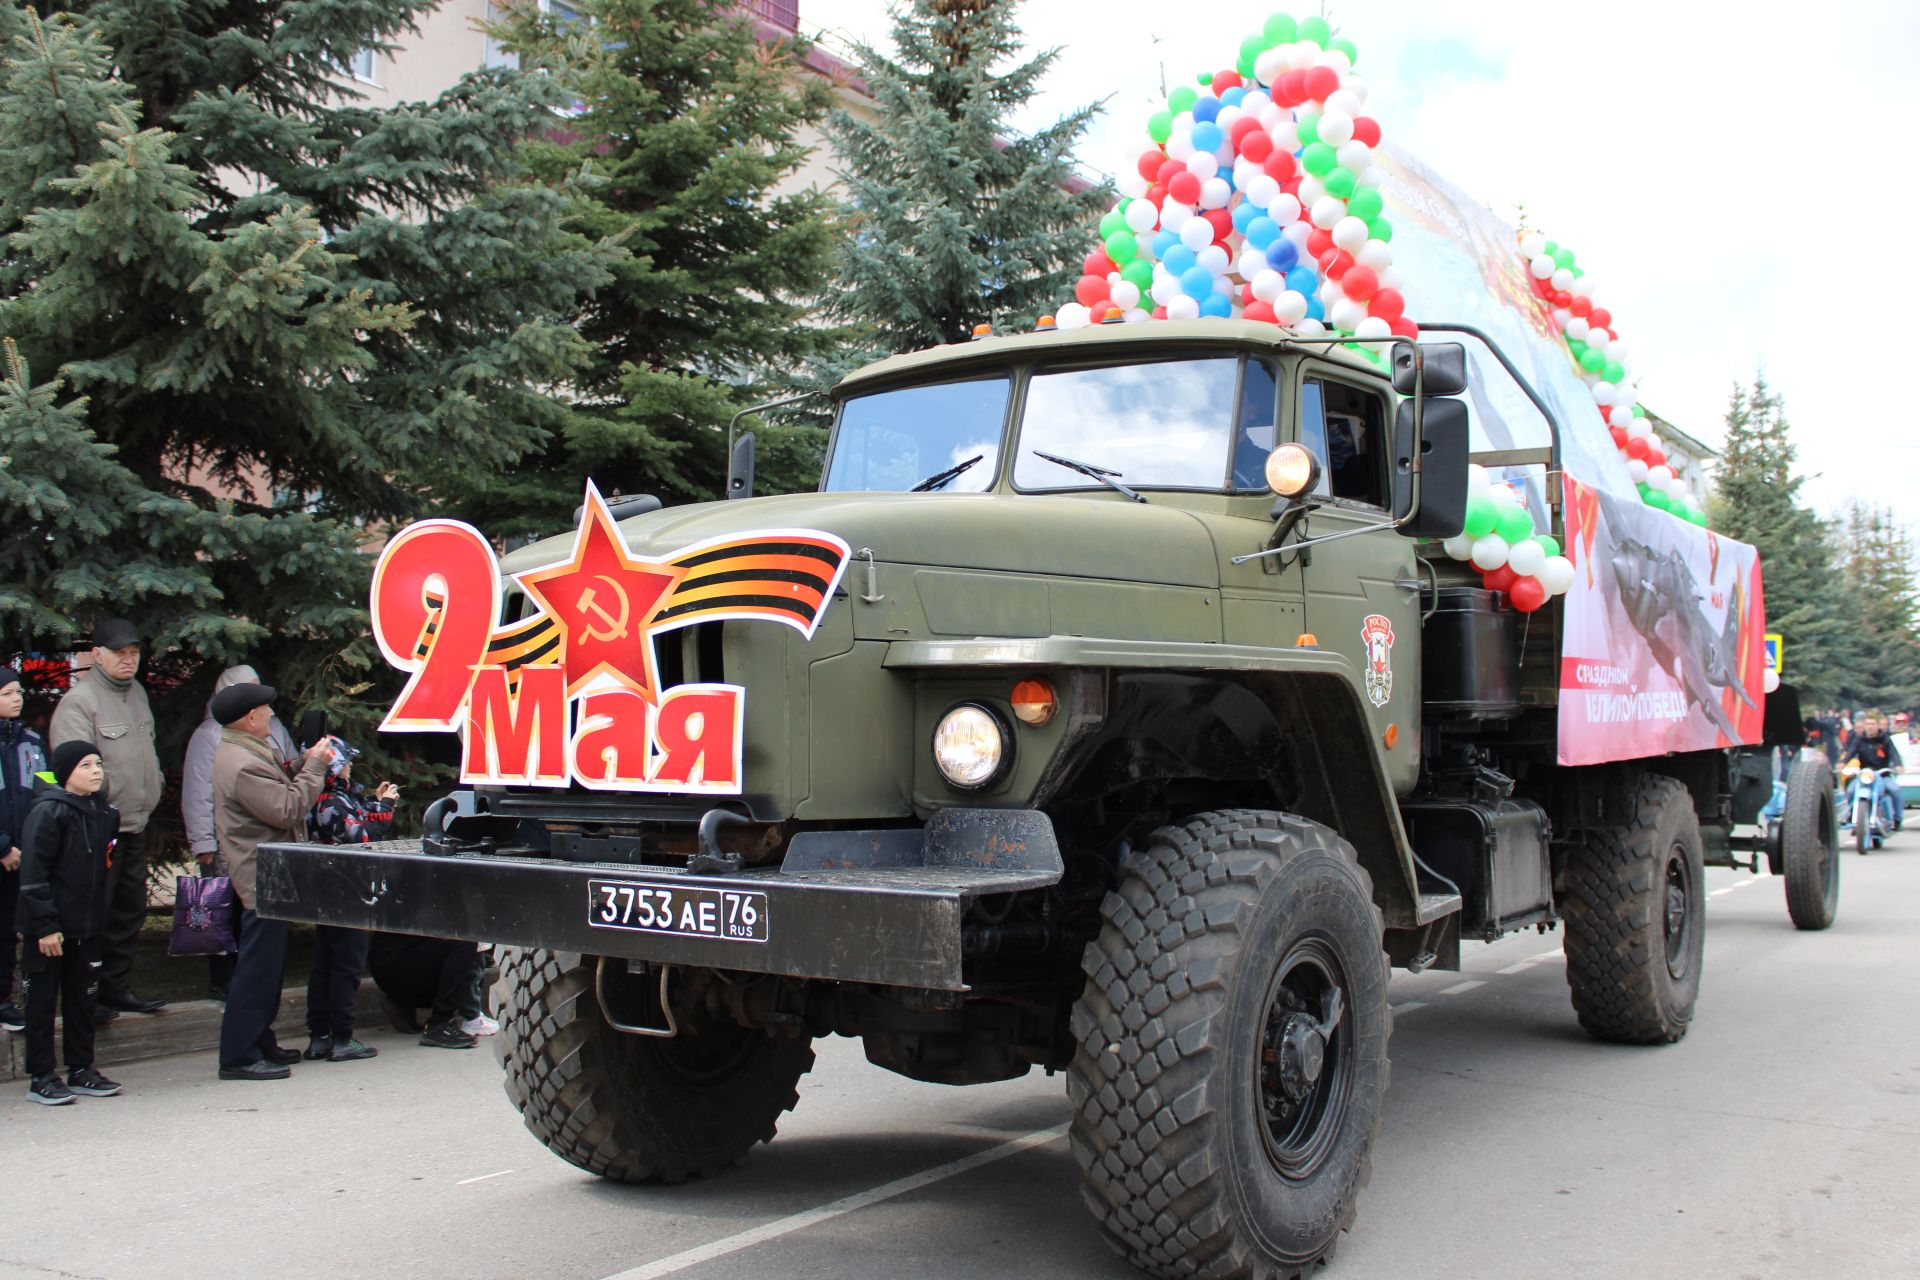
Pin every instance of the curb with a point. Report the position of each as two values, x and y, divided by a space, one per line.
192 1026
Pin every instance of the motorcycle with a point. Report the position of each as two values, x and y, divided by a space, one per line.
1873 805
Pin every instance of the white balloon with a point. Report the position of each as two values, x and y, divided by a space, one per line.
1285 136
1476 477
1213 258
1527 558
1202 165
1071 316
1327 212
1284 209
1373 176
1268 66
1636 470
1138 315
1141 215
1355 85
1336 127
1533 244
1375 254
1228 114
1349 233
1312 191
1639 428
1576 327
1267 284
1337 59
1372 329
1500 493
1309 326
1620 415
1252 262
1599 339
1542 266
1196 233
1660 477
1556 575
1343 99
1125 295
1391 277
1180 146
1183 308
1347 314
1331 292
1617 350
1272 113
1131 183
1562 279
1488 553
1581 288
1770 680
1262 191
1214 193
1303 54
1458 547
1353 154
1143 245
1298 232
1290 306
1165 289
1603 393
1561 316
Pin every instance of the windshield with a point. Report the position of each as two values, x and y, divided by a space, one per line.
895 440
1167 424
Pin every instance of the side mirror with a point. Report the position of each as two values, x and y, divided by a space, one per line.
1445 369
1443 467
740 468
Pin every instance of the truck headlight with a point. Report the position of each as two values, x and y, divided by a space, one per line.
970 746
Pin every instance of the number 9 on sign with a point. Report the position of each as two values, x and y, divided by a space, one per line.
436 592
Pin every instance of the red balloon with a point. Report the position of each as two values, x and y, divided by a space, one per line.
1360 283
1542 287
1257 147
1561 298
1242 128
1185 188
1159 313
1292 185
1091 291
1098 263
1581 307
1403 328
1366 129
1319 82
1527 594
1600 318
1501 579
1638 448
1656 456
1169 169
1246 295
1156 195
1280 165
1319 241
1225 80
1291 89
1257 310
1619 435
1151 163
1334 263
1388 304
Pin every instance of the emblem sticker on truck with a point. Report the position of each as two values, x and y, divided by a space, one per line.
739 915
572 694
1376 637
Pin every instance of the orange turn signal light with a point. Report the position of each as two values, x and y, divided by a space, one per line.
1034 702
1307 640
982 330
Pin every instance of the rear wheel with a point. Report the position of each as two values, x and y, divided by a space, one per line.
635 1108
1809 845
1862 820
1636 920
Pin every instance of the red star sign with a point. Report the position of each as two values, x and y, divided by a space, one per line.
604 601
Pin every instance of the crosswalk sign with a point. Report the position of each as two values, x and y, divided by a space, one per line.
1773 653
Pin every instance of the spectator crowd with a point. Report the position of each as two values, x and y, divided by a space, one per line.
74 817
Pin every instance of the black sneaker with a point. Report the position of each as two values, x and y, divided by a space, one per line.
402 1018
447 1035
11 1019
128 1002
351 1050
318 1047
90 1083
49 1092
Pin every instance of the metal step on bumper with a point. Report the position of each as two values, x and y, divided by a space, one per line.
881 906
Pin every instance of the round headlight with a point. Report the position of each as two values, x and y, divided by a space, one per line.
969 746
1292 470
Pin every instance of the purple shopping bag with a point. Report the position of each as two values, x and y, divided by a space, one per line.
202 917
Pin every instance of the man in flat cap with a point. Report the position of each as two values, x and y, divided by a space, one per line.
255 802
108 707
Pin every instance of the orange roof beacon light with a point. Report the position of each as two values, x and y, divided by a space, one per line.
982 331
1043 324
1307 640
1034 702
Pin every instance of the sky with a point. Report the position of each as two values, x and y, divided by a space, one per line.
1733 177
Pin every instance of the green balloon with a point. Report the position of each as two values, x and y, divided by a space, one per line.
1345 46
1315 29
1205 79
1251 48
1645 489
1340 182
1657 500
1550 248
1365 203
1593 361
1547 544
1638 412
1281 29
1700 517
1614 371
1112 222
1319 159
1380 229
1121 246
1182 99
1515 525
1138 272
1563 258
1578 346
1160 125
1482 515
1308 127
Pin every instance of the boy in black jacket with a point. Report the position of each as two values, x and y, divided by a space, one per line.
64 848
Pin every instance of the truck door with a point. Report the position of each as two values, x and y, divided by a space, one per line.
1363 592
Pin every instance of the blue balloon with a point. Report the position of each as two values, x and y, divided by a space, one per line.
1217 305
1196 282
1303 280
1207 136
1282 255
1233 97
1243 213
1179 259
1262 231
1314 310
1206 109
1162 242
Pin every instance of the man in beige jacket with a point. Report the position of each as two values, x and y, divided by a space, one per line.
255 802
108 707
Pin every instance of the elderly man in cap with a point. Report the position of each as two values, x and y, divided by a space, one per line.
254 802
108 707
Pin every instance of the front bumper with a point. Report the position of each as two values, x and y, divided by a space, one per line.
884 906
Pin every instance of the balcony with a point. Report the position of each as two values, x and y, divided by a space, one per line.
784 14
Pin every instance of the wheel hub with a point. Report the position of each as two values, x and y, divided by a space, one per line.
1302 1054
1305 1062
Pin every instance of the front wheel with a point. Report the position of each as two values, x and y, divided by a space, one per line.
1230 1069
1862 822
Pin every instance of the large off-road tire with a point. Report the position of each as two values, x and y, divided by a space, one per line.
1636 920
1222 947
1810 844
634 1108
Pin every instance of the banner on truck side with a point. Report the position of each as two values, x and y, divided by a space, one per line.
1663 647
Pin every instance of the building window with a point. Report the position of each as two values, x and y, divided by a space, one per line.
360 67
494 55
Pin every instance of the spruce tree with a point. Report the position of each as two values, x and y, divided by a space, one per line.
1875 553
690 123
267 319
959 218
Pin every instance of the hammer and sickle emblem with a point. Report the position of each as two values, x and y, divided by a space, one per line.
610 627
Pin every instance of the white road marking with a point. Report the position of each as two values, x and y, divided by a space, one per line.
1512 969
1558 953
1461 988
464 1182
813 1217
1408 1006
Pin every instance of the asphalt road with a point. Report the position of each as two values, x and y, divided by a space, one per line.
1782 1137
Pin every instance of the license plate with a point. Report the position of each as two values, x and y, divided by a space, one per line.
736 915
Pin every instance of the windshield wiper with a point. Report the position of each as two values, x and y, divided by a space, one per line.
939 478
1101 474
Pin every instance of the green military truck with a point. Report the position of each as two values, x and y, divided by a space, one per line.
1138 730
